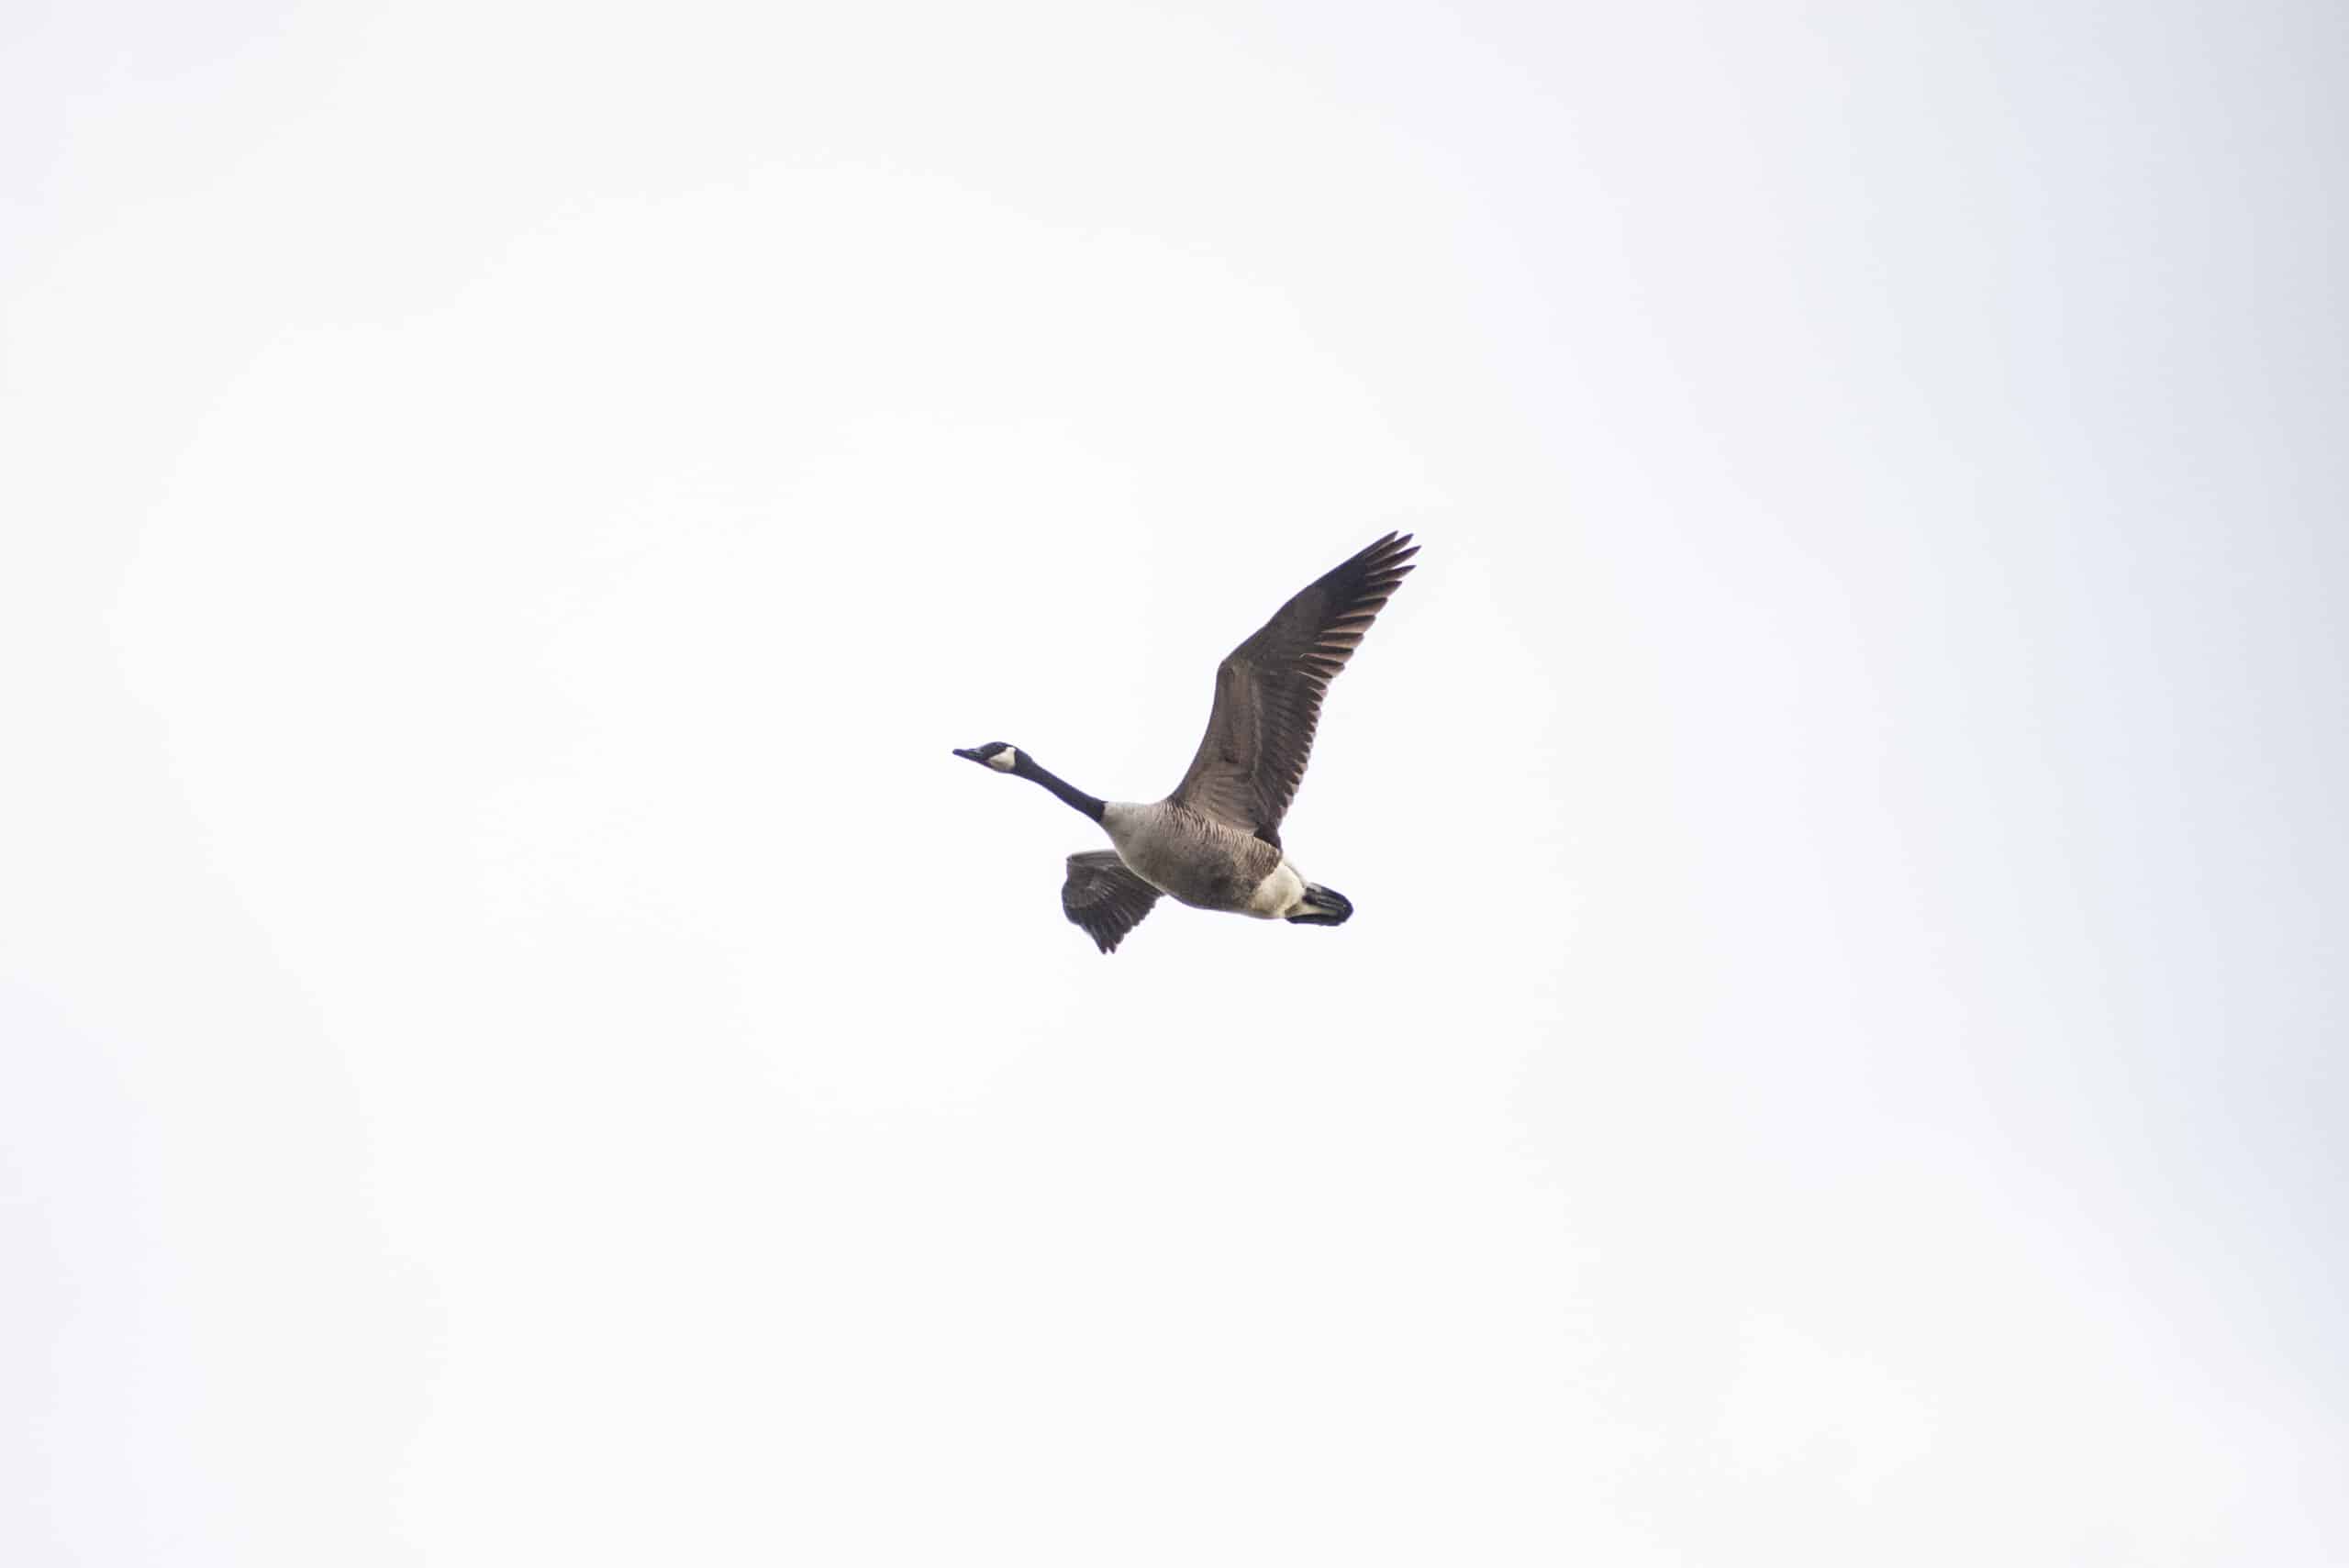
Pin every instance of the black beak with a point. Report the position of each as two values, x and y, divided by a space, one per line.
967 753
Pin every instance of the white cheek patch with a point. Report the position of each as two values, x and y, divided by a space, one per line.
1003 761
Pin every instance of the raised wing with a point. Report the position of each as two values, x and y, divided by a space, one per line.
1268 692
1104 897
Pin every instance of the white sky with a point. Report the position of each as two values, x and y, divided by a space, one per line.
518 1042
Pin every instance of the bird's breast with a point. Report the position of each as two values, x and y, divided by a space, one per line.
1191 858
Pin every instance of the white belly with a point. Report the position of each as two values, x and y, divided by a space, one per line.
1279 896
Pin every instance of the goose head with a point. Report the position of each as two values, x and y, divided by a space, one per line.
995 754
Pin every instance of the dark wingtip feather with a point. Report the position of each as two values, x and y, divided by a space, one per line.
1288 665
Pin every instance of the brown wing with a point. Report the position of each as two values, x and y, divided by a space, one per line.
1268 693
1104 897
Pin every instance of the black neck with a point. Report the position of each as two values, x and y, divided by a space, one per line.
1026 769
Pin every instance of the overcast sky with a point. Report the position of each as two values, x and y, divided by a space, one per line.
519 1043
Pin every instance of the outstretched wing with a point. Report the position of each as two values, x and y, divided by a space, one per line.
1104 897
1268 693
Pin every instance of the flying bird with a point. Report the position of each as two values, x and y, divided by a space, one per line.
1215 843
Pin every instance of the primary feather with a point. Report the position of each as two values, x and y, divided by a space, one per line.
1268 692
1104 897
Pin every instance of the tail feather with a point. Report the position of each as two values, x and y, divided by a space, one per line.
1324 907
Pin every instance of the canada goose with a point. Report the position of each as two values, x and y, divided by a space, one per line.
1215 843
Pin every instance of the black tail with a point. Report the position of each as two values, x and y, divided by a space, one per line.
1327 906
